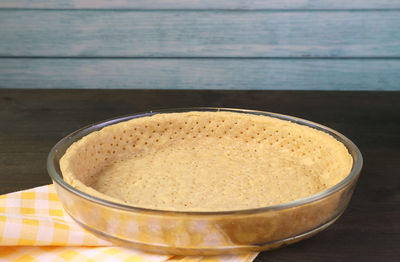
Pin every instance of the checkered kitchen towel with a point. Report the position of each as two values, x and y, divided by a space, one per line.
35 227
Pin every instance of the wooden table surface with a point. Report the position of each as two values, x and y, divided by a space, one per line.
32 121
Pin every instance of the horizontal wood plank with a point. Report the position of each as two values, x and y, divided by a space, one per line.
203 4
199 34
294 74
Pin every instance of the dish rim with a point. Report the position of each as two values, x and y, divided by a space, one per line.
62 145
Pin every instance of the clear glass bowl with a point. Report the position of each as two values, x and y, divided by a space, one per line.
204 233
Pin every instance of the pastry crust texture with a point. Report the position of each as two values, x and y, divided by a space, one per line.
205 161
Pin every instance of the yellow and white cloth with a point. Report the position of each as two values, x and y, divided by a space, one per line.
35 227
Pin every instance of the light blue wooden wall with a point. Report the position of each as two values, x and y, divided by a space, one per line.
200 44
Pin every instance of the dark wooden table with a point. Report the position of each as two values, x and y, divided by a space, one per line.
32 121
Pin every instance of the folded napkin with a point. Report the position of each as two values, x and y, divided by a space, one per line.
35 227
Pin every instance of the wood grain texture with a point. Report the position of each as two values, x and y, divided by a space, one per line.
199 33
368 231
300 74
203 4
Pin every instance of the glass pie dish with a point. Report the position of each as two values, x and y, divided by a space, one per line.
204 232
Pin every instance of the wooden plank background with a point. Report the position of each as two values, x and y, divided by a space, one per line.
199 34
202 4
162 44
288 74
